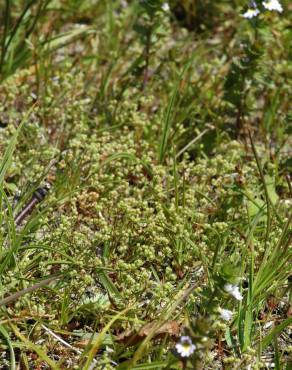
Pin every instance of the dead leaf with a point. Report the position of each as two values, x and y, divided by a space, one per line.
129 337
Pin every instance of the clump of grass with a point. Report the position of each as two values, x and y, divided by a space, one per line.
164 240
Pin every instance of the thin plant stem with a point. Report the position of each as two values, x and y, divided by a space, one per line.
3 43
15 296
268 229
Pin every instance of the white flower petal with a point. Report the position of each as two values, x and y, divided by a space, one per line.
273 5
165 7
228 287
233 290
185 346
251 13
236 294
225 314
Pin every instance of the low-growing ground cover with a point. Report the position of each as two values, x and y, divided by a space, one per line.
145 185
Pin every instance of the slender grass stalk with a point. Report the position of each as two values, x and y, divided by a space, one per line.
5 335
6 17
98 341
268 339
15 296
130 157
167 312
267 198
277 354
169 115
274 263
33 347
175 177
18 24
7 40
6 160
192 142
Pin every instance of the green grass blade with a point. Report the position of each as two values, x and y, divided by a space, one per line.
277 354
130 157
169 115
33 347
153 366
5 32
108 284
19 23
65 38
15 296
167 312
268 339
99 339
6 160
11 350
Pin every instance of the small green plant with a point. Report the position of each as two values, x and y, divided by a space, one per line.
164 238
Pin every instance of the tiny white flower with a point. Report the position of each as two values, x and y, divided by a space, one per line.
109 349
268 324
233 290
185 346
287 202
225 314
165 7
228 287
273 5
251 13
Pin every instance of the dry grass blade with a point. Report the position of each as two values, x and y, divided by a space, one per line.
21 293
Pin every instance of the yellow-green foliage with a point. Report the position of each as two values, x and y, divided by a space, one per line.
132 221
